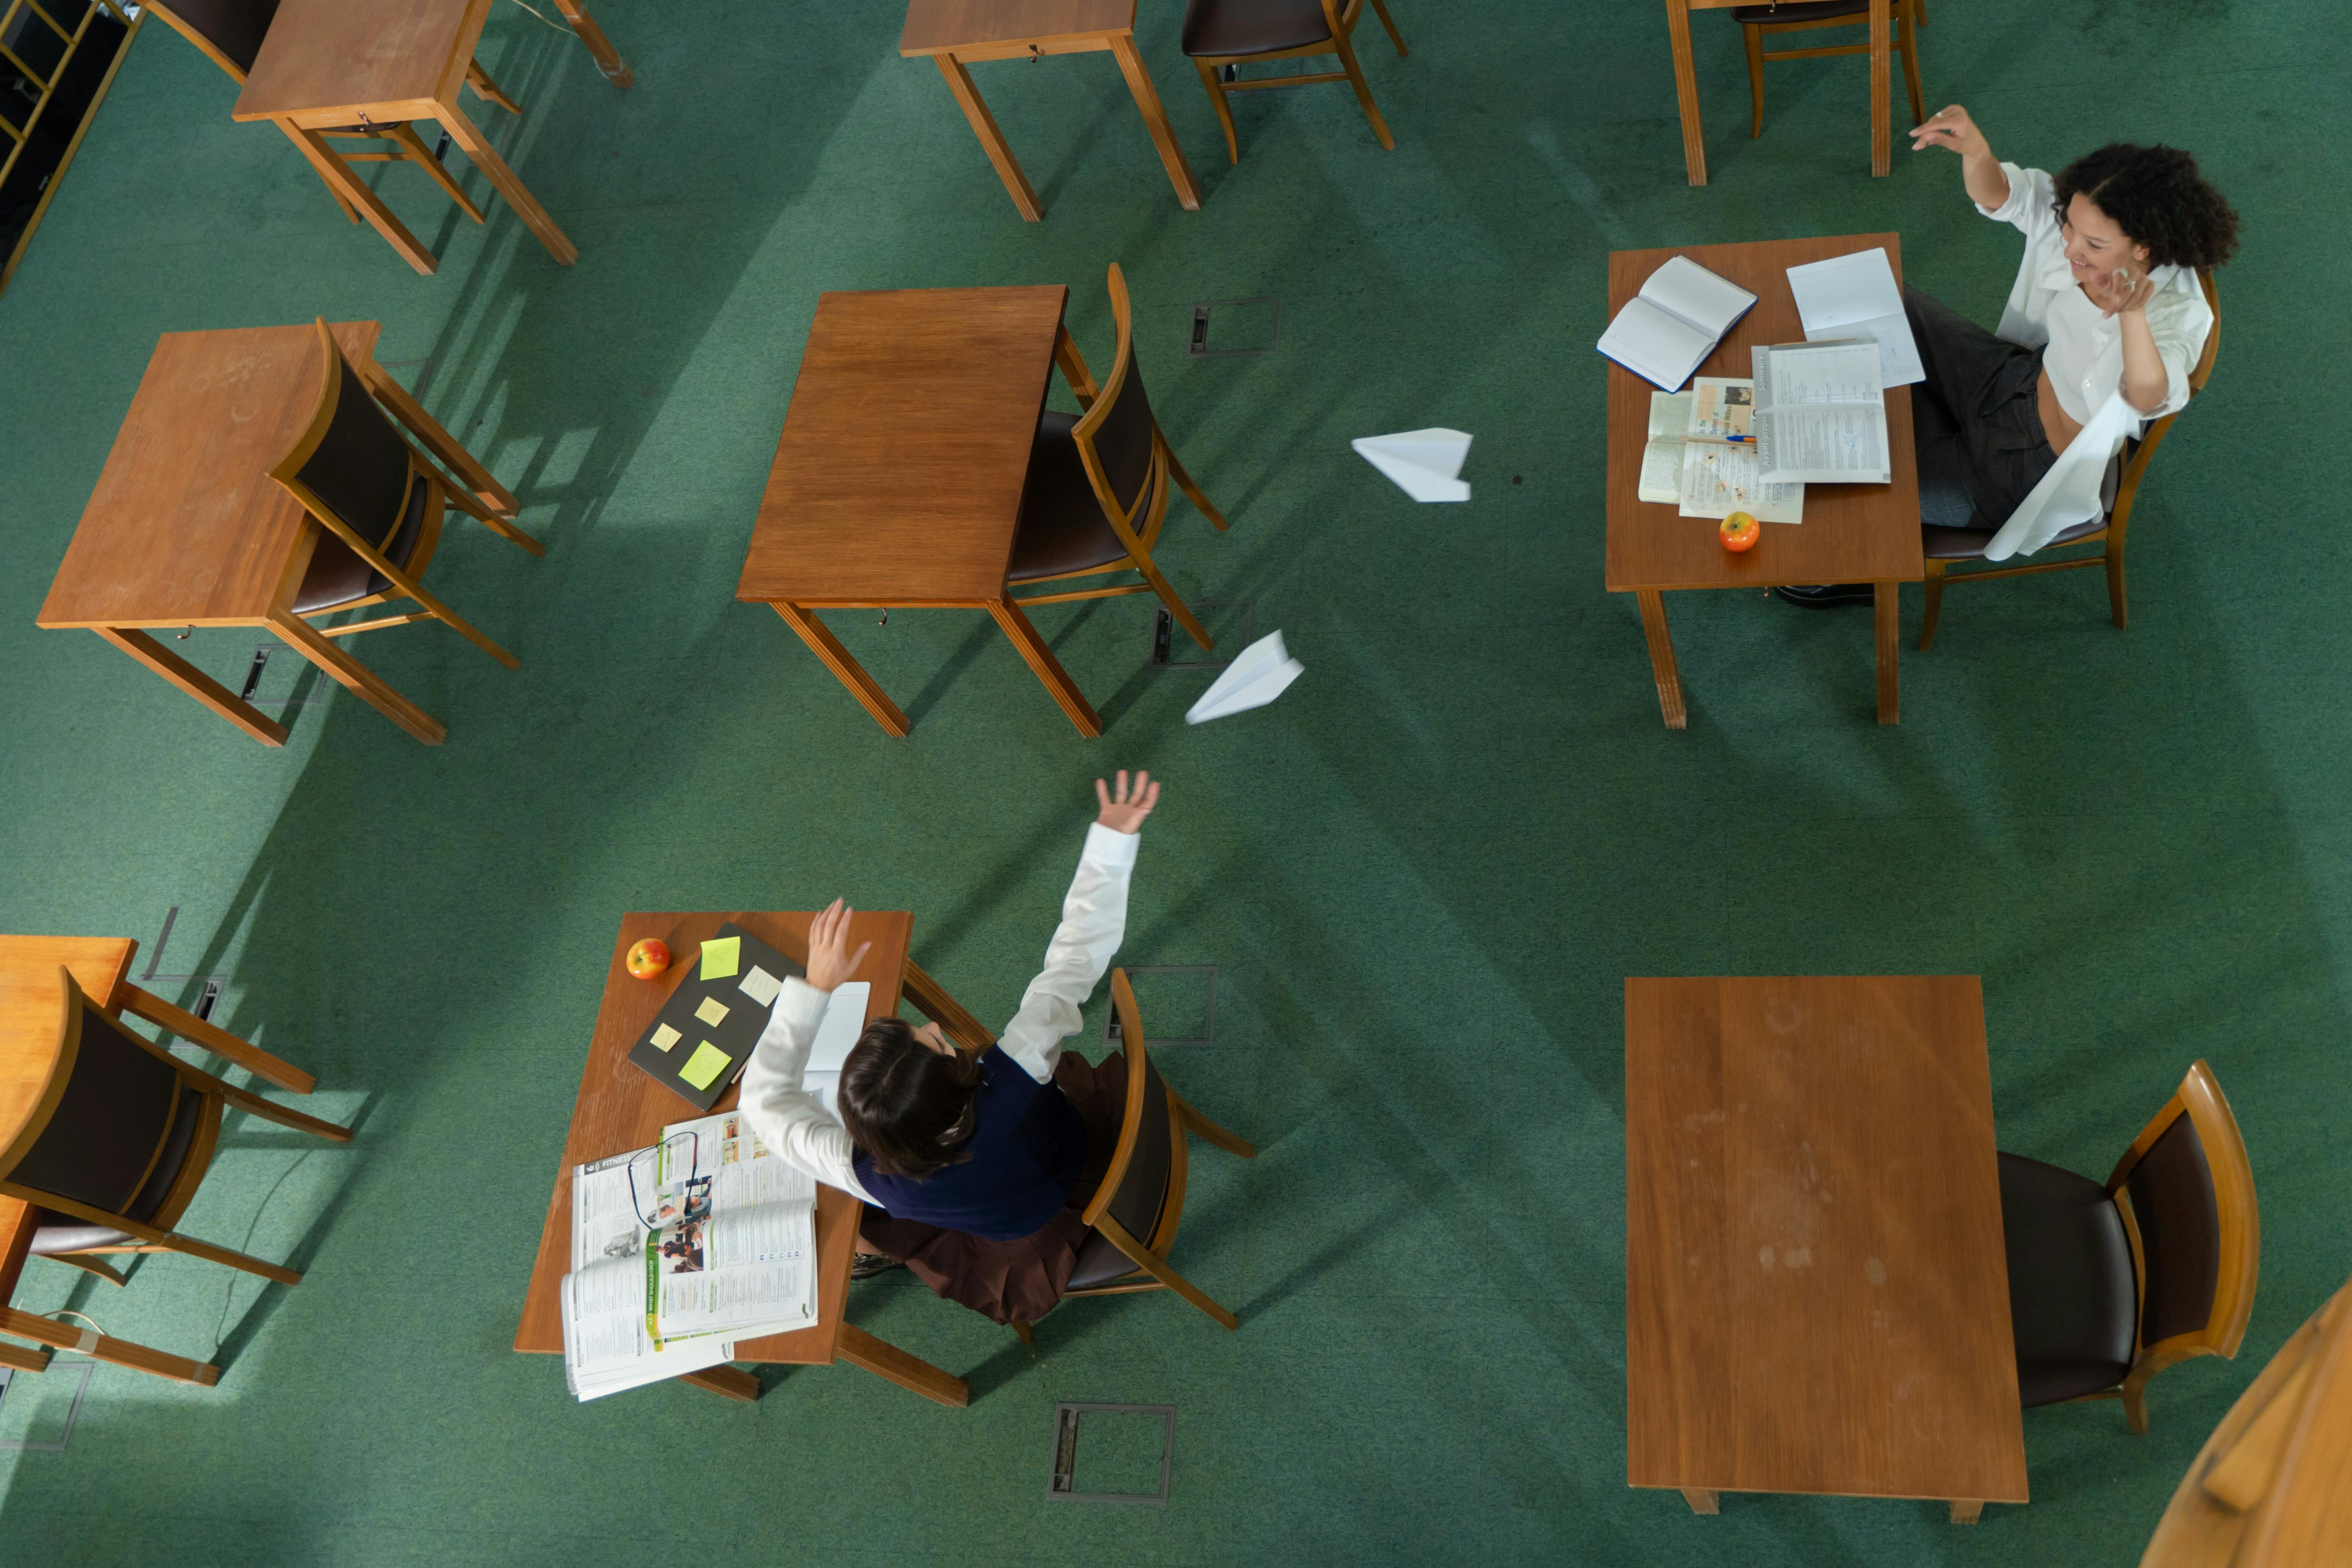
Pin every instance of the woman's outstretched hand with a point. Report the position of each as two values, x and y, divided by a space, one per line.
1951 128
1124 811
2119 291
829 961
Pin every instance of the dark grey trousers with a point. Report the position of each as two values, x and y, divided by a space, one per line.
1978 430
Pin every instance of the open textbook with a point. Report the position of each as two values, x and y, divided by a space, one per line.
1680 315
1691 459
1856 296
681 1248
1820 416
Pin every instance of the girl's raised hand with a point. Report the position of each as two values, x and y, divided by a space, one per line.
1124 811
829 961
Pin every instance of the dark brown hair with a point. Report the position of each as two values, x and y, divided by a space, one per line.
906 1105
2156 196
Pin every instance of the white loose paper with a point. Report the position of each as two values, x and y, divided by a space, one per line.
1424 463
845 1021
1263 671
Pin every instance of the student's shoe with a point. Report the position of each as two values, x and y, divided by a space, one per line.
1828 595
866 1264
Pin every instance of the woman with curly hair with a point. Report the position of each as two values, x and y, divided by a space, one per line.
2101 331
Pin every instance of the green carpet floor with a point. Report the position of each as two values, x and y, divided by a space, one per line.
1424 874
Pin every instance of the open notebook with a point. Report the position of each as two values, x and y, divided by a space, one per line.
1675 321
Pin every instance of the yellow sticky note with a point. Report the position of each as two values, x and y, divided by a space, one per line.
703 1068
665 1037
711 1011
720 957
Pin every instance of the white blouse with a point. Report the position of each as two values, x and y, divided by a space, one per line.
2083 352
790 1121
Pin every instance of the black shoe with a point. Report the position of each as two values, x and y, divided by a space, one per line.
866 1264
1828 595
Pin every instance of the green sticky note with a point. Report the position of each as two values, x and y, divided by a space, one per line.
703 1068
720 958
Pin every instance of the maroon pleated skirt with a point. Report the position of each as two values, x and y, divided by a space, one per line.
1023 1278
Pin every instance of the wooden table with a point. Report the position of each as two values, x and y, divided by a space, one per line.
1816 1292
1687 81
898 477
955 33
186 529
621 1108
328 64
31 1003
2272 1488
1852 533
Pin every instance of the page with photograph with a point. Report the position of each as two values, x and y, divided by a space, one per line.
1718 481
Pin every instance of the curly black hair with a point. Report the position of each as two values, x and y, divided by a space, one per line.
2154 195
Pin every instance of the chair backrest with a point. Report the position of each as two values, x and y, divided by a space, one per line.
2195 1232
229 31
350 466
100 1130
1115 438
1135 1186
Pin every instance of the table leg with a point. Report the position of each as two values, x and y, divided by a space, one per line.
608 59
848 670
98 1347
1686 90
1049 669
1662 657
354 191
1701 1501
1886 603
943 1010
439 442
887 1360
1155 119
305 640
218 1040
196 682
992 141
1967 1511
1879 85
727 1382
477 146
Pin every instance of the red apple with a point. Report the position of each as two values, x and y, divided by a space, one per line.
1739 531
649 957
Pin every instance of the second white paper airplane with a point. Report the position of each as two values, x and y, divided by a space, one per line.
1424 463
1260 674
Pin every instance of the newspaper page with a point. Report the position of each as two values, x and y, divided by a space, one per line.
1821 417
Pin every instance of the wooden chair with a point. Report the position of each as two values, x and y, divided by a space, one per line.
381 504
1099 483
1760 22
229 33
2109 1286
1137 1209
118 1142
1945 546
1221 35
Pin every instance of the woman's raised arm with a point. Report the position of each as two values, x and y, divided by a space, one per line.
1979 169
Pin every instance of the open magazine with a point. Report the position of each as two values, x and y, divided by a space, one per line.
681 1248
1697 456
1820 416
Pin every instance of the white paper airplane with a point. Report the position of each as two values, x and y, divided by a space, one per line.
1262 673
1424 463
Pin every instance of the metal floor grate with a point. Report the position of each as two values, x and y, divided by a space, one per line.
1066 1415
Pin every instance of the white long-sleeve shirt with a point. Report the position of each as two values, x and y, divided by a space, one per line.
790 1121
2082 353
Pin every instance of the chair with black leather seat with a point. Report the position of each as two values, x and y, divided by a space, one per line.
1099 483
1222 35
1945 547
380 504
1758 23
229 34
120 1140
1134 1214
2109 1285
